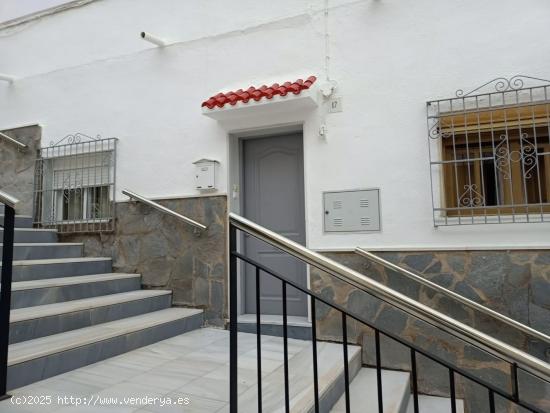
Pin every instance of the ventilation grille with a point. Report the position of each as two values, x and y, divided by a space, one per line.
364 203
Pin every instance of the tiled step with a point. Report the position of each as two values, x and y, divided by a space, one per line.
44 320
32 235
330 373
28 270
272 325
34 251
56 290
364 393
45 357
21 221
434 404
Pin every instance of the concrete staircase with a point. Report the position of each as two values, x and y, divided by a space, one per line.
69 311
396 395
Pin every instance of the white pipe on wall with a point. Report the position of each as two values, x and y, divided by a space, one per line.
153 39
7 78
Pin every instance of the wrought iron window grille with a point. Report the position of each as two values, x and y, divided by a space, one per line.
75 183
489 152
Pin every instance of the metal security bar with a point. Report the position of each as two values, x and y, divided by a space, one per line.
9 203
490 153
75 185
517 360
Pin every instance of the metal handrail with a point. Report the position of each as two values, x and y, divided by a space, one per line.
165 210
396 299
20 145
469 303
7 199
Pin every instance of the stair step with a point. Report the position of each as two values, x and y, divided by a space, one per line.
364 393
35 251
44 320
28 270
55 290
435 404
38 359
21 221
330 374
32 235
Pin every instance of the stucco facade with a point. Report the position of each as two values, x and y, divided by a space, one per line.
86 69
386 58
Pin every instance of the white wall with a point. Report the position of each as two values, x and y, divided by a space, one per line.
86 70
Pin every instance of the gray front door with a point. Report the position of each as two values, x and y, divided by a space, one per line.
273 196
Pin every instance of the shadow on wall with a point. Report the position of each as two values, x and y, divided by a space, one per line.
167 253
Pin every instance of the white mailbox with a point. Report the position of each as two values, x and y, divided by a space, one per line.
205 174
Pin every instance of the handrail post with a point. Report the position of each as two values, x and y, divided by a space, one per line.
5 296
233 337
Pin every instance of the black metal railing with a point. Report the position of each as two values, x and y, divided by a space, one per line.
5 292
237 223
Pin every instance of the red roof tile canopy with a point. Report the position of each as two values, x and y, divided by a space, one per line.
257 94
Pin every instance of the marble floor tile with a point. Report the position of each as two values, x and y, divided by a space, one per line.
196 405
204 387
188 366
93 376
140 361
250 361
217 355
98 409
246 377
165 350
162 379
193 365
129 389
108 372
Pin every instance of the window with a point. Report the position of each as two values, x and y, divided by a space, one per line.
510 173
71 204
490 156
83 203
75 185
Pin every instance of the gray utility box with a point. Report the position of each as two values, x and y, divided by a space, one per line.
352 211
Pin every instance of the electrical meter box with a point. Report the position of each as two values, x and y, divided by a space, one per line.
206 171
352 211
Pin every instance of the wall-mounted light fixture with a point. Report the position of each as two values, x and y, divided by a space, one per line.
327 88
153 39
7 78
